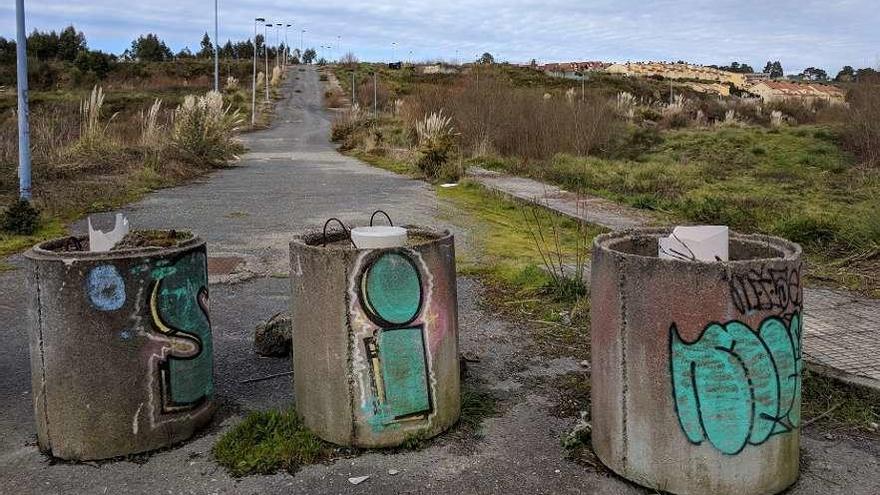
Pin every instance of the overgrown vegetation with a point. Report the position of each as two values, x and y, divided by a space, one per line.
107 128
108 148
804 170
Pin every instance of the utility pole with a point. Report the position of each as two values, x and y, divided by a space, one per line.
254 82
216 45
375 97
24 137
301 42
352 88
266 51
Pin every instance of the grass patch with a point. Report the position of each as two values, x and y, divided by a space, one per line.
796 183
507 260
830 403
267 442
48 228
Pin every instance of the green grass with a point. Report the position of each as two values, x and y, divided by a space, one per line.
795 182
49 228
506 258
267 442
838 405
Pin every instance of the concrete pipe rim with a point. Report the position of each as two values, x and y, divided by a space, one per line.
313 239
47 250
611 242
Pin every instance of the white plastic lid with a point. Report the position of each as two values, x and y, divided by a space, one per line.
378 237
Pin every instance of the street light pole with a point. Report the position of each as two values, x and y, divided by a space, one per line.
266 50
278 45
286 45
301 42
254 81
216 45
24 137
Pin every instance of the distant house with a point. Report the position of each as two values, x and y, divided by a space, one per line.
438 69
570 69
709 88
678 71
756 77
785 90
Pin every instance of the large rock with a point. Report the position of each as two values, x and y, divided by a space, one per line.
272 338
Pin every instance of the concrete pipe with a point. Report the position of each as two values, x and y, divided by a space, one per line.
375 338
696 367
120 343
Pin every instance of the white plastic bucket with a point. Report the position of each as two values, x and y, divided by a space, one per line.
378 237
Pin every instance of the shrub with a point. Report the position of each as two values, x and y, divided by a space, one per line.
436 139
491 113
93 137
203 129
862 127
151 130
20 218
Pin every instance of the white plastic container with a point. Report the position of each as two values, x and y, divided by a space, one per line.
705 243
378 237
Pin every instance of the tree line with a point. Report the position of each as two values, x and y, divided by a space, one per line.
775 71
70 46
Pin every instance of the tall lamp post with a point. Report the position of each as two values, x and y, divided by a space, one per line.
24 137
216 45
266 51
286 45
278 44
393 51
301 33
254 82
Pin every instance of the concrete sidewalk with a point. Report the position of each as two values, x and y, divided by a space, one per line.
842 329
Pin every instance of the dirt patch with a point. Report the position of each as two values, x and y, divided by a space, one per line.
152 238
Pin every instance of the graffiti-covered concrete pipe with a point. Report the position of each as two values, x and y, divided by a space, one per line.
375 338
121 349
696 367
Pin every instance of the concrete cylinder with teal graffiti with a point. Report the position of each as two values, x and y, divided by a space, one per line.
120 344
696 367
375 338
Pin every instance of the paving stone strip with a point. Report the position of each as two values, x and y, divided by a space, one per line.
842 329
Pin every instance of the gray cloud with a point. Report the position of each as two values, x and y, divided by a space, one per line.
801 33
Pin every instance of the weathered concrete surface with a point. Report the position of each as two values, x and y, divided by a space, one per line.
593 209
120 346
696 374
294 180
375 338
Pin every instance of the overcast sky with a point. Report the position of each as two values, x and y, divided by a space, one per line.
823 33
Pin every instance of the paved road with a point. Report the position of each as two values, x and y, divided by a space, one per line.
293 178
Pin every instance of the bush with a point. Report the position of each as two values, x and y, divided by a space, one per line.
20 218
862 127
436 139
490 113
203 129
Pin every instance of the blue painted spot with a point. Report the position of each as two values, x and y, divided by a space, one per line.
105 288
124 335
